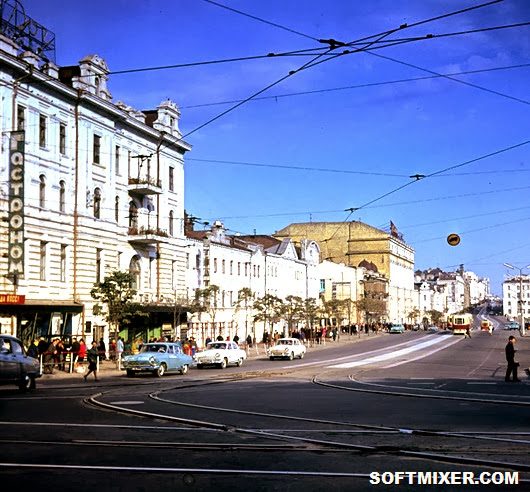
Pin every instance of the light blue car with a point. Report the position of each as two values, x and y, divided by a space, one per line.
396 328
158 358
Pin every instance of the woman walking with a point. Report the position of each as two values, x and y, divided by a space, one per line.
92 356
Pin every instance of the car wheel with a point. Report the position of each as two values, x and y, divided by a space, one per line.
271 357
223 364
200 366
184 369
239 362
130 373
26 383
161 370
291 356
302 355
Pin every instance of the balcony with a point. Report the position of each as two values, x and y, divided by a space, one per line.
144 186
147 235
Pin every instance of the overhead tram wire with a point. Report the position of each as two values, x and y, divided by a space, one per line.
261 20
315 61
362 86
470 84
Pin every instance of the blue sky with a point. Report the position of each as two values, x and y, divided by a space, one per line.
355 144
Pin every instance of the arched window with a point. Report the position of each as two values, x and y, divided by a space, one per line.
134 270
62 196
97 203
171 222
133 215
117 209
42 191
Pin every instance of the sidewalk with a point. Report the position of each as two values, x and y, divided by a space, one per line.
109 373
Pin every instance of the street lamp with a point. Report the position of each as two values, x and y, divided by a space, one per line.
507 265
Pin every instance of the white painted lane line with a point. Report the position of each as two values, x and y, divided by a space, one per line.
352 356
389 355
425 354
473 382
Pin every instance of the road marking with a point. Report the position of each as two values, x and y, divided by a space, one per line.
390 355
472 382
364 354
421 356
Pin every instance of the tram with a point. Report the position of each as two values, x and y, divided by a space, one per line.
460 323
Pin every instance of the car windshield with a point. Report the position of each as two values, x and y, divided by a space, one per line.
217 346
285 342
153 348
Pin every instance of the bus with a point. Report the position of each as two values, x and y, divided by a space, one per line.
460 323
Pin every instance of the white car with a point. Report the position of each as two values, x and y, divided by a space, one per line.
287 348
220 354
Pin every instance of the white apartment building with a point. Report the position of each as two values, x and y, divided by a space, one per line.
341 282
258 264
516 297
88 186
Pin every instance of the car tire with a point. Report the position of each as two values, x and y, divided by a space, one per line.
302 355
184 369
223 364
26 383
200 366
130 373
291 356
271 358
161 370
239 362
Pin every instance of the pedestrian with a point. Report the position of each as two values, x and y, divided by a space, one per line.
249 341
120 347
510 358
236 338
92 356
468 332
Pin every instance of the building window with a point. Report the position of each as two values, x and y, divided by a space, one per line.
62 138
223 266
42 191
117 159
98 265
21 118
62 196
97 203
171 178
134 270
246 269
151 270
171 222
42 131
133 215
215 265
62 271
231 267
239 268
42 260
97 149
117 209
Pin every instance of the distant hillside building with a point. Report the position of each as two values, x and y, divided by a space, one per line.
353 243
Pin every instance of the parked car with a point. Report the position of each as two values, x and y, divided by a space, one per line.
15 366
432 328
511 325
158 358
396 328
220 354
287 348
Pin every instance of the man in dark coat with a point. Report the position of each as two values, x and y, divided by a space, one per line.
510 358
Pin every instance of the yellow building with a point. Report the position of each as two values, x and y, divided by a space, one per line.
353 243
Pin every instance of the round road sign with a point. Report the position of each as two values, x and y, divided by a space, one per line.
453 239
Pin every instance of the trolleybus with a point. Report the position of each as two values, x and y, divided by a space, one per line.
460 323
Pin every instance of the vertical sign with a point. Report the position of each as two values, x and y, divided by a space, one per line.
16 204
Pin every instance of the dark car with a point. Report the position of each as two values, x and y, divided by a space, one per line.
15 366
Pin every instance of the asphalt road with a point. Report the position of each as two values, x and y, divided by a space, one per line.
417 402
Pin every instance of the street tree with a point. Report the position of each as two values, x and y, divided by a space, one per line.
292 311
206 302
269 310
245 297
115 302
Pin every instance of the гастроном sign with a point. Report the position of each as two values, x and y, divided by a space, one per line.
15 255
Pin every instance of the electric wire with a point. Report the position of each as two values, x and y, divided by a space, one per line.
361 86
